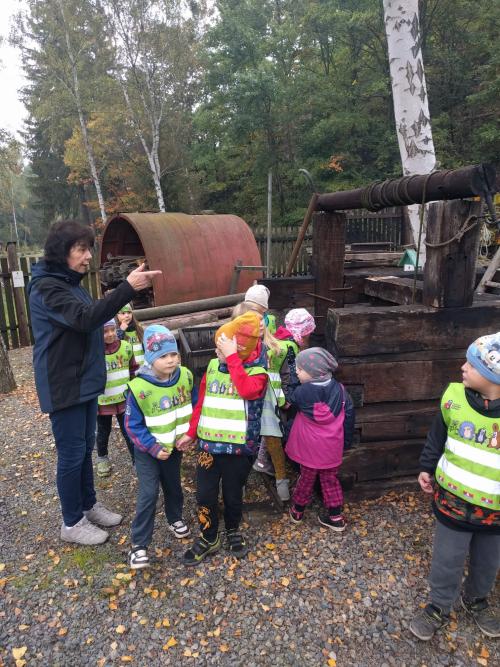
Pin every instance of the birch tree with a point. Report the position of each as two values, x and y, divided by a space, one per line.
411 107
151 69
64 59
73 83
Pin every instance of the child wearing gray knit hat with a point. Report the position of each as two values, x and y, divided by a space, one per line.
322 429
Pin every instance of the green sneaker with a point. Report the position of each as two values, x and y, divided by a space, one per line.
103 468
486 621
425 624
235 543
199 550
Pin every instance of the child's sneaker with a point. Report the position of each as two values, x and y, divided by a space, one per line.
138 558
335 523
295 515
103 468
486 621
235 543
179 529
283 489
200 549
265 466
425 624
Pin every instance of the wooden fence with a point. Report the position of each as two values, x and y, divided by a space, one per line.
362 226
9 326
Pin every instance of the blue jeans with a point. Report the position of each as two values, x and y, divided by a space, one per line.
151 473
74 433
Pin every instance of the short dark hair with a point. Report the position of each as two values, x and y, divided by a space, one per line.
62 237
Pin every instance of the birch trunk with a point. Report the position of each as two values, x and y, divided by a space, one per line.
409 92
152 155
81 117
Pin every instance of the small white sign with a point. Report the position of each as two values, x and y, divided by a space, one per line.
18 278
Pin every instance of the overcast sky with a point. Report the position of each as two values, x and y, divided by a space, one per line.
12 111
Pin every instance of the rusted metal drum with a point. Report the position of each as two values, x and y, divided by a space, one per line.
197 253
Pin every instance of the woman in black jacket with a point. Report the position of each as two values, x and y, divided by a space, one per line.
70 370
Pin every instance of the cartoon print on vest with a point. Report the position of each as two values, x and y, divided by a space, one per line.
165 403
182 394
204 517
494 442
214 387
205 460
467 430
481 436
230 389
222 388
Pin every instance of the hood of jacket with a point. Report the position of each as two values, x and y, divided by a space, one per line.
147 373
44 269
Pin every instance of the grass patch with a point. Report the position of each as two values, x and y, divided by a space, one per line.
90 561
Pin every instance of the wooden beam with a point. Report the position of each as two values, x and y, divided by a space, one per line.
415 380
393 289
394 421
364 330
328 251
381 460
287 293
450 269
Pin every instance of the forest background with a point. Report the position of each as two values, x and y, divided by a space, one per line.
186 106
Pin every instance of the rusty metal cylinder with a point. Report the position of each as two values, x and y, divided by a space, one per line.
196 253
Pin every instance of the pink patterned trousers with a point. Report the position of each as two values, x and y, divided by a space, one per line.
330 487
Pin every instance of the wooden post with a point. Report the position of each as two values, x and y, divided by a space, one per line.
450 269
328 252
7 382
19 299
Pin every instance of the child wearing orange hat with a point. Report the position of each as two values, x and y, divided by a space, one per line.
226 421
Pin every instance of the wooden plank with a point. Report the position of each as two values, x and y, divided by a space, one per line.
395 421
9 298
411 380
19 297
3 315
287 293
363 330
450 270
381 460
327 262
382 257
395 290
371 246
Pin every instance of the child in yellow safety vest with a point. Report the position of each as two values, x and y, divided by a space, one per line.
121 367
130 330
460 466
159 407
226 421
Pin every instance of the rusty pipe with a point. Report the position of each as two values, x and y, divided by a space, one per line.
472 181
172 309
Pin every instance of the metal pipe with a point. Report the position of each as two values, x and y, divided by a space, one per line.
189 307
472 181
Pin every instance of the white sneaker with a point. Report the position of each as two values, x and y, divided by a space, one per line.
83 532
104 517
138 558
179 529
282 487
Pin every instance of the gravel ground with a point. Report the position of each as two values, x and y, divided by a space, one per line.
302 596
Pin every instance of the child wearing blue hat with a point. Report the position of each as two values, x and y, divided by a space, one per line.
460 466
159 407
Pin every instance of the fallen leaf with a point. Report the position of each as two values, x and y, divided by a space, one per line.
2 567
484 652
126 658
165 623
187 653
285 581
120 629
216 632
270 546
171 642
62 632
482 661
200 617
19 652
265 607
224 648
331 662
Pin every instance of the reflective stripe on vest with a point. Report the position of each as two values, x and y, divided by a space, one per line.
223 414
131 337
166 410
118 374
276 361
470 465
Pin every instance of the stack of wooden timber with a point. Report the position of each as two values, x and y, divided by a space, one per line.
396 362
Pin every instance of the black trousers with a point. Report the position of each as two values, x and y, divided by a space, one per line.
104 430
233 472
